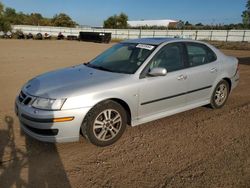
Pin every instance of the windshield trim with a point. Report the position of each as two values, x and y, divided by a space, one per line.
102 68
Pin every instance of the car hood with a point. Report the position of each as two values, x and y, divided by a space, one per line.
72 81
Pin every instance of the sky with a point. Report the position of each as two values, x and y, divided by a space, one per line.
94 12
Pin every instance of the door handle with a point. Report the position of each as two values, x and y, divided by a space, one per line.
181 77
213 70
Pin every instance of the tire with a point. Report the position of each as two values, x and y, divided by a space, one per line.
220 95
105 123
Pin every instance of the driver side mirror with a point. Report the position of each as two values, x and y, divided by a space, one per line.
158 71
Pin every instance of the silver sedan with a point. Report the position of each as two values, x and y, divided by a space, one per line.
133 82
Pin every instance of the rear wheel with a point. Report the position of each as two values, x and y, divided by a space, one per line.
105 123
220 95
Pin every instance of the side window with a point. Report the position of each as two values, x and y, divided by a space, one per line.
211 55
169 57
199 54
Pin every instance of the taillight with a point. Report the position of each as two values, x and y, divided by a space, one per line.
237 69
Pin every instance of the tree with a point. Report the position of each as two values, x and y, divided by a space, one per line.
116 22
122 21
12 16
187 23
36 18
1 9
199 25
180 24
63 20
9 16
4 24
246 15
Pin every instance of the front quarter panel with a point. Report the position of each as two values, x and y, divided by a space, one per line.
127 93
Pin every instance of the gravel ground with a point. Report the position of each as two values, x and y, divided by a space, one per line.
197 148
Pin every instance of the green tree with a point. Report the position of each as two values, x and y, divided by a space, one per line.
122 21
63 20
10 14
199 25
1 9
110 22
246 15
36 18
187 23
24 19
116 22
4 23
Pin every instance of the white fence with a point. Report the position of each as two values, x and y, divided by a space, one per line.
215 35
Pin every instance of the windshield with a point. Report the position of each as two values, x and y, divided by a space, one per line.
122 58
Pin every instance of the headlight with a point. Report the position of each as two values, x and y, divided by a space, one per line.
48 104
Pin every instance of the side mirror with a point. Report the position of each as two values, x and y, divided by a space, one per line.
158 71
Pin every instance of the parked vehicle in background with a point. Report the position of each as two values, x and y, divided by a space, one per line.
7 35
29 36
133 82
20 35
72 37
100 37
47 36
60 36
1 34
39 36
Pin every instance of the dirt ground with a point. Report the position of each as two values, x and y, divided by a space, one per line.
197 148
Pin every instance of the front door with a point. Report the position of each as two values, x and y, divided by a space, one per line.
163 93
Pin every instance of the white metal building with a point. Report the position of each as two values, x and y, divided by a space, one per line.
141 23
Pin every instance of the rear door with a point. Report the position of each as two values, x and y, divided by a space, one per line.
202 72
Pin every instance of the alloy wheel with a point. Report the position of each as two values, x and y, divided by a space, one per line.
107 124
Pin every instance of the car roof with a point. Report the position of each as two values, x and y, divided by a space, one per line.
152 41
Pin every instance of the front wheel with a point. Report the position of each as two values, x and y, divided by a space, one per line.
220 95
105 123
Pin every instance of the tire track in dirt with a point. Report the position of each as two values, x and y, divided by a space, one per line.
192 175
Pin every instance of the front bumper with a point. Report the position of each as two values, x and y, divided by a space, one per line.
32 123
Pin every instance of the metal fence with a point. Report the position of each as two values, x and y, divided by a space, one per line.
214 35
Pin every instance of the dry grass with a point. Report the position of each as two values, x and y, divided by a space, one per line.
231 45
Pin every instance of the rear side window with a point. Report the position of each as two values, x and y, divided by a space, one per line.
199 54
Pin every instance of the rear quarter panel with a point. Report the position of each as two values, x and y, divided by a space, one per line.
227 67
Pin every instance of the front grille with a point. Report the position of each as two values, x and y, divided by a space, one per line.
22 96
44 132
25 98
38 120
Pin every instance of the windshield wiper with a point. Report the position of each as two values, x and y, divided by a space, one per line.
86 63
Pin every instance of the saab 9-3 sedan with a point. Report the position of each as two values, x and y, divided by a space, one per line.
133 82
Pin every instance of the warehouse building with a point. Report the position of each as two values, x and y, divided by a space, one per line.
150 23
